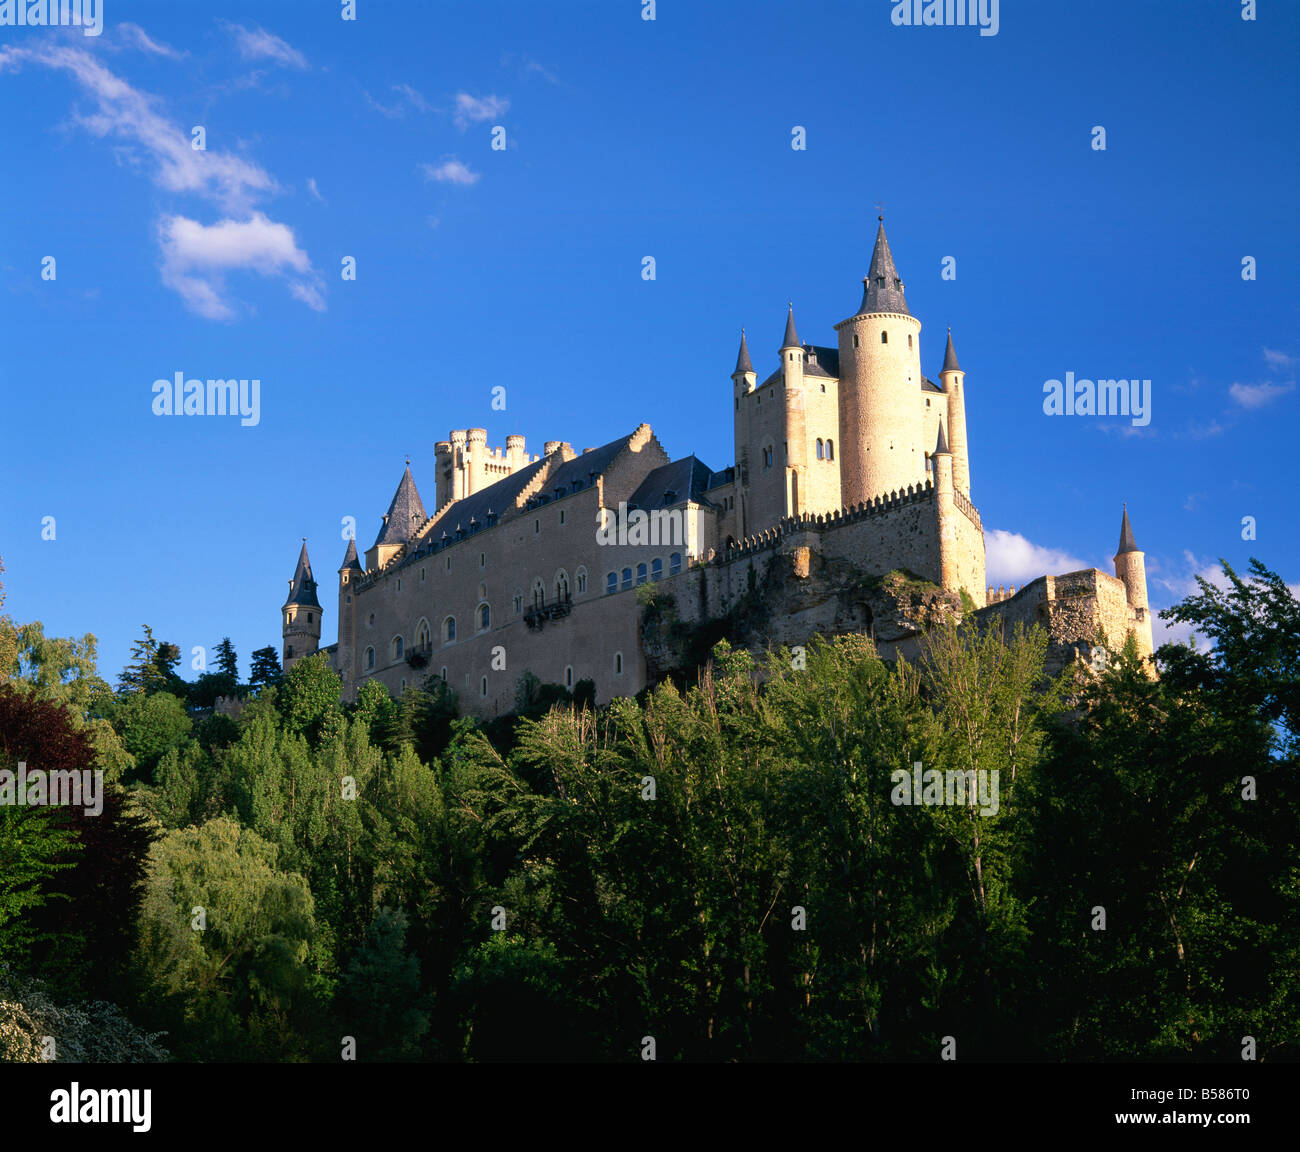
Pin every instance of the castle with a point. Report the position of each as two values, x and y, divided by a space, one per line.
849 463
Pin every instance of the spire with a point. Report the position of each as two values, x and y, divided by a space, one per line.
882 289
1126 541
405 514
941 448
350 556
950 356
743 362
791 336
302 588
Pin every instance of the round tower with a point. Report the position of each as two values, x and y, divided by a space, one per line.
1131 568
301 613
881 416
953 380
349 573
443 469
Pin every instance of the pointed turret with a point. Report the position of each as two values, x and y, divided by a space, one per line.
941 448
405 514
791 336
743 362
950 356
1126 541
882 288
350 556
302 588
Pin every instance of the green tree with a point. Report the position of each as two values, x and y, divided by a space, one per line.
266 667
149 725
227 661
379 995
310 698
142 673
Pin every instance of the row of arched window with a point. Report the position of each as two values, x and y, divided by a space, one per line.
615 581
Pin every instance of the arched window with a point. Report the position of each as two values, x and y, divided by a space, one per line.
884 337
484 617
539 593
289 652
397 647
519 601
482 691
909 341
582 581
627 577
568 676
423 639
372 619
611 582
449 629
309 617
618 663
561 585
370 659
674 563
830 449
821 454
767 457
640 574
442 673
656 569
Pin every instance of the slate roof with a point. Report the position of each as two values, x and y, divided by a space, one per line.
942 444
350 556
675 483
303 589
791 336
882 288
743 362
1126 541
825 363
928 385
405 514
950 356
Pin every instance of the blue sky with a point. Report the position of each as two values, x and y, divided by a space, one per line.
522 267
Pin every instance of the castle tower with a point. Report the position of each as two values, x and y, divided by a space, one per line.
1131 568
881 446
301 613
349 572
405 514
793 453
941 460
444 474
954 384
744 380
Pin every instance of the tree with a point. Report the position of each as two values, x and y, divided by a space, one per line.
379 995
8 637
227 661
266 667
149 725
310 697
142 673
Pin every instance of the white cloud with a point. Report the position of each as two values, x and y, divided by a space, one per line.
311 187
196 258
257 43
1254 396
407 99
1280 359
137 37
1011 559
450 171
472 110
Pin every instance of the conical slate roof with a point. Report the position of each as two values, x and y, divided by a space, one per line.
405 514
1126 541
942 445
791 336
950 356
302 590
882 288
350 556
743 362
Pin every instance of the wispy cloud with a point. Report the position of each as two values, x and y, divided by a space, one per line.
474 109
136 37
527 66
1260 395
1012 559
1277 359
408 100
450 171
257 43
196 258
311 187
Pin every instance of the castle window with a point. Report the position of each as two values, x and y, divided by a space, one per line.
519 601
830 449
909 341
758 400
448 563
561 515
627 578
674 563
372 619
421 575
484 617
640 574
399 583
618 663
582 581
611 583
482 690
309 617
289 652
537 527
767 457
449 630
397 648
442 674
884 337
403 687
482 559
855 341
927 402
656 569
737 403
370 659
422 635
821 452
539 594
823 387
